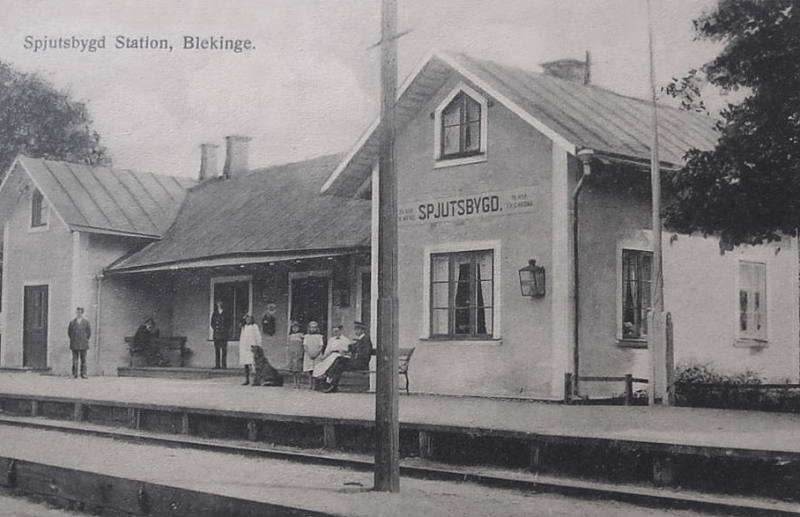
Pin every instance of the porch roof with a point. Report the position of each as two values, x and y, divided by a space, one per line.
270 214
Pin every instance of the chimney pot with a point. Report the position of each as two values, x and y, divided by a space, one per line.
236 155
208 161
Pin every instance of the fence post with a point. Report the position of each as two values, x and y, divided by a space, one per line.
628 389
670 359
567 387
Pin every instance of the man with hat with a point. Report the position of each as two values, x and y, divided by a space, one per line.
79 332
361 349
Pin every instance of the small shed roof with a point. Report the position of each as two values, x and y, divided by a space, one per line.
269 213
100 199
572 114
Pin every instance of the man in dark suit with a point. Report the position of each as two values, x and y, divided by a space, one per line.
361 349
79 333
220 328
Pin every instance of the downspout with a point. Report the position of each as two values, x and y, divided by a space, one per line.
99 280
585 156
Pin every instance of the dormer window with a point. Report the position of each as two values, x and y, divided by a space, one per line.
460 128
39 210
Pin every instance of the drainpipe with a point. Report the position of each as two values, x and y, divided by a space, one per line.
99 280
585 156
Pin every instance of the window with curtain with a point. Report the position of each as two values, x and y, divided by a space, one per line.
637 269
461 127
38 209
752 300
462 294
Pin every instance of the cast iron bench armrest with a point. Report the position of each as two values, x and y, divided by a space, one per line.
403 360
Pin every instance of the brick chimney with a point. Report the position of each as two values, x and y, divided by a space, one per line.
236 156
569 69
208 161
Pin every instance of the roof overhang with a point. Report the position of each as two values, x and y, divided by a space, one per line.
237 259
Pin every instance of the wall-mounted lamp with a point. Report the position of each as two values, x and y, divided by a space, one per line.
532 280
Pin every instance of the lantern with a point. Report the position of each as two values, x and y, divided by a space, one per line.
531 280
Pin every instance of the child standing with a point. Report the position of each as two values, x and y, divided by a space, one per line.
314 346
295 346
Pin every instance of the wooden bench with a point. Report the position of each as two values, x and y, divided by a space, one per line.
172 348
403 360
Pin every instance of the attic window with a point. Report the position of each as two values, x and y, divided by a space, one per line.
39 210
460 122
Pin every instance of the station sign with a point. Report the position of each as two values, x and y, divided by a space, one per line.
467 206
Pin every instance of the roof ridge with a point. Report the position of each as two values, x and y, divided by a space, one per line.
590 86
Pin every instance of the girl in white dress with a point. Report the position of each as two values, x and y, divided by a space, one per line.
250 336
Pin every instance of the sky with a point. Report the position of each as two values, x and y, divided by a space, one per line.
310 85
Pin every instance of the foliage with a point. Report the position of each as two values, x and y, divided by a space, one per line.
747 189
40 121
700 385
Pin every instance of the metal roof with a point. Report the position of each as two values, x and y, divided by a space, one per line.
106 200
572 114
264 214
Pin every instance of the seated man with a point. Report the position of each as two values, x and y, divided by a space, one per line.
145 345
334 360
361 349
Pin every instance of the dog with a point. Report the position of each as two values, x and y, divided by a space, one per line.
264 374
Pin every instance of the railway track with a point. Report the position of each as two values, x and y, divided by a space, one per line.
642 495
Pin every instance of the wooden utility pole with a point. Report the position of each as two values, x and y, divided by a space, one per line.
656 338
387 422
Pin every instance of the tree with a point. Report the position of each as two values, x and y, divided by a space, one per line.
747 189
41 121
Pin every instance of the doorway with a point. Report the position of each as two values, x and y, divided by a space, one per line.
34 329
309 300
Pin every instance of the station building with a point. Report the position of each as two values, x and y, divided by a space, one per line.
490 177
497 167
129 246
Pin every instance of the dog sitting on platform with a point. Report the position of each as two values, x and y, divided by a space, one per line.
265 374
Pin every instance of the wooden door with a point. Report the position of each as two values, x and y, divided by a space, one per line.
34 332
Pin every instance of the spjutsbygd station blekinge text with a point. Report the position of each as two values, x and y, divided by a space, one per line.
149 43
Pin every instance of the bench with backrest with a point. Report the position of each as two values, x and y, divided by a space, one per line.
173 349
357 377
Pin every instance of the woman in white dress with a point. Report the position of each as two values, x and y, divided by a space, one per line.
250 337
313 345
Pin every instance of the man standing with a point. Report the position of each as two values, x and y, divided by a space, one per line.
220 328
79 333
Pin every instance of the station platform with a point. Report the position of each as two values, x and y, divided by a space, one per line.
669 444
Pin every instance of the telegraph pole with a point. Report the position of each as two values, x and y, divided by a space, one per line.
656 337
387 420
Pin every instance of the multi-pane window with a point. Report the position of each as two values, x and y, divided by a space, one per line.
235 298
461 127
38 209
752 300
462 294
637 269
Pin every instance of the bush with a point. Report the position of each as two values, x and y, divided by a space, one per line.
700 385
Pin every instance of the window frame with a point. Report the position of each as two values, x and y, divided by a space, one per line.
641 330
426 334
462 157
40 211
454 285
747 337
227 280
